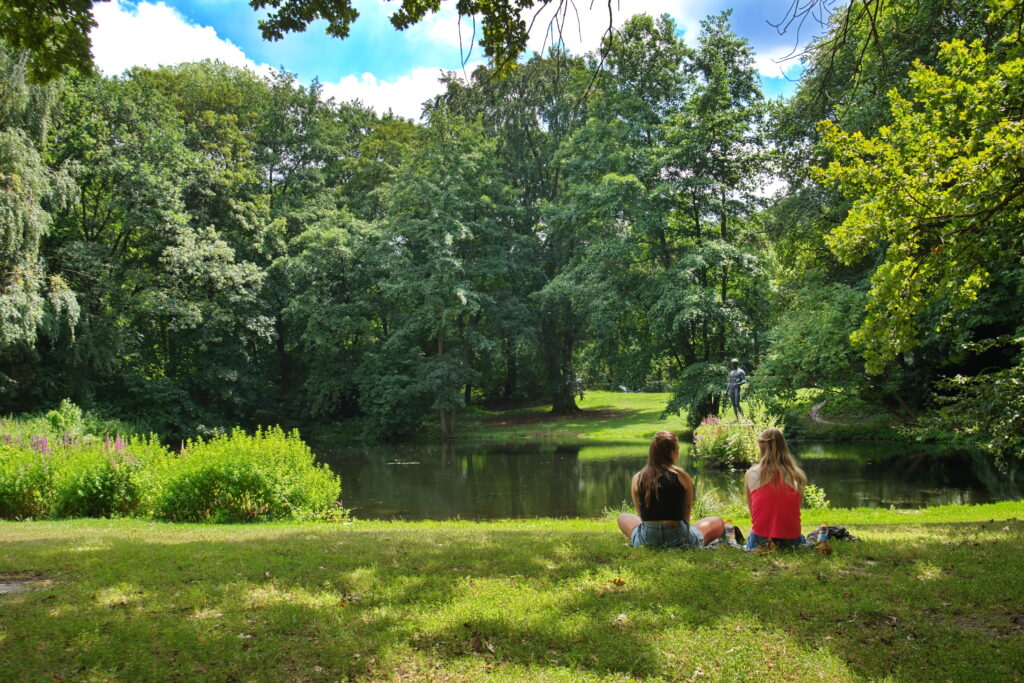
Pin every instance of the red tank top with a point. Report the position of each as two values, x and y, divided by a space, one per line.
775 510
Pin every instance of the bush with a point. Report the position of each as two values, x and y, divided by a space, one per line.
26 483
242 478
230 478
815 498
106 486
66 419
721 445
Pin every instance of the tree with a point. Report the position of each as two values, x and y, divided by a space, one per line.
441 245
55 35
939 190
530 112
32 300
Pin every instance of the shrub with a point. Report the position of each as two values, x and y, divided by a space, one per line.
721 445
815 498
103 486
26 483
66 419
246 477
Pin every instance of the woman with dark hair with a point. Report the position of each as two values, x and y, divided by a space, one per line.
663 496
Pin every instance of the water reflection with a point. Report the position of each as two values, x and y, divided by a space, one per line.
493 481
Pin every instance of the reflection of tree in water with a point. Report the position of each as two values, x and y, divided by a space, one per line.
487 481
565 481
515 486
1003 479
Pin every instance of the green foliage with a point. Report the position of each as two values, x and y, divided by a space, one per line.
55 35
815 498
238 477
938 190
65 418
26 483
97 483
242 477
699 392
717 443
810 342
987 410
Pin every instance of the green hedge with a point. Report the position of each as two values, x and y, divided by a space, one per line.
236 477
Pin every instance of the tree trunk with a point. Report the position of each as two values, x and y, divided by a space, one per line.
511 370
558 345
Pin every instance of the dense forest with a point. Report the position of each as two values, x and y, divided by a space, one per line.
198 246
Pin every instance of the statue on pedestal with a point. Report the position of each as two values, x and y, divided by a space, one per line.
737 378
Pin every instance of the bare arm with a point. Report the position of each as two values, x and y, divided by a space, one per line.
634 494
750 477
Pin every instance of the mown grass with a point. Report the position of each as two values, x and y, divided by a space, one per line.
604 415
931 595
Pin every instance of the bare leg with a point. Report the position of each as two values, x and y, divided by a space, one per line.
711 527
628 522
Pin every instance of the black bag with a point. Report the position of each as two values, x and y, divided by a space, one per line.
835 533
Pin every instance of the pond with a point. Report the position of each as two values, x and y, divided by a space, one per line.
496 481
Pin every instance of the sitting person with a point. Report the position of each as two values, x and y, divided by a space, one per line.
663 497
774 488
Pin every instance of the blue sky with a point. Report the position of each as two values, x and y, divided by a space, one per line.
386 68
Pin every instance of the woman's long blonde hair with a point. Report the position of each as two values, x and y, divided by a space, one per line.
659 462
776 460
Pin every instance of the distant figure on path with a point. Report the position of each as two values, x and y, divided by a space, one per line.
775 489
737 378
662 494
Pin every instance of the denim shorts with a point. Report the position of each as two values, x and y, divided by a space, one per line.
660 535
754 541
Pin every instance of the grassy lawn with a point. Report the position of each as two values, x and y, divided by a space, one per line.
604 416
929 595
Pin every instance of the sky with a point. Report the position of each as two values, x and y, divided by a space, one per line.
398 70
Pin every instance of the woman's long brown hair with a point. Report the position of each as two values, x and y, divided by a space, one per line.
659 462
776 460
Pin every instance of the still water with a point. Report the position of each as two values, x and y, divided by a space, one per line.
495 481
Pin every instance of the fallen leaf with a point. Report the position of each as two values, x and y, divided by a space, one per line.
618 582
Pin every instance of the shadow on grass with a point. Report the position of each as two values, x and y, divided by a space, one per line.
929 601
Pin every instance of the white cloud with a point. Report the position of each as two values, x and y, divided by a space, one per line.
404 95
778 62
152 35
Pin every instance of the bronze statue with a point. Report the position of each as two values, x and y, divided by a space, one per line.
737 378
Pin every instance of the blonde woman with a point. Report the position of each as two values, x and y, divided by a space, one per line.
663 497
775 490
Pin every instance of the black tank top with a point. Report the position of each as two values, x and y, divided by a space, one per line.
667 502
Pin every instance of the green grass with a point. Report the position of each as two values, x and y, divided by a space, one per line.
605 416
928 595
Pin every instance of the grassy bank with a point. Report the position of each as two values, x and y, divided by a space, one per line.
929 595
603 416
